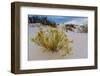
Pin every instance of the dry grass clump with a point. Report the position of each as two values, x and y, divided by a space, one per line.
53 40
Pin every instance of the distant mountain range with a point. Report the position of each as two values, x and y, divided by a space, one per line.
57 19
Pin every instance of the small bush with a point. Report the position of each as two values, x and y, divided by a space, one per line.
85 28
53 40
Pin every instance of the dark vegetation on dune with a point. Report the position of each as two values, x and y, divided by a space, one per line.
42 20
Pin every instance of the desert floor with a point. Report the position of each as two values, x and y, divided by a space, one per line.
80 47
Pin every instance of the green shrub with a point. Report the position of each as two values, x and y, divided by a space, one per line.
53 40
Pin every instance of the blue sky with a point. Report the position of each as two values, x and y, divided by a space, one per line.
67 19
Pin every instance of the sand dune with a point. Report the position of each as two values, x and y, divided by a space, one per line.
80 47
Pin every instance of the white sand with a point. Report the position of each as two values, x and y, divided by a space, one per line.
80 47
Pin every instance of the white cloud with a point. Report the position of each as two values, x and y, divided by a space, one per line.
78 21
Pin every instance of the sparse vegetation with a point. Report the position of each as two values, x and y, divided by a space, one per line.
80 28
85 28
53 40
